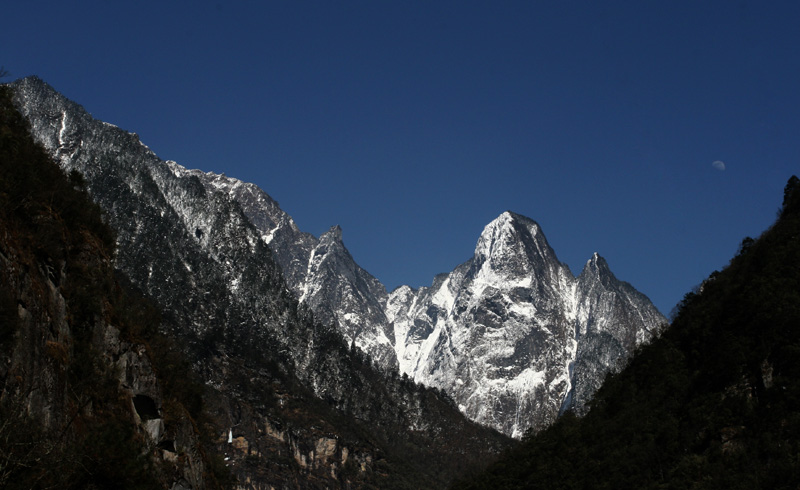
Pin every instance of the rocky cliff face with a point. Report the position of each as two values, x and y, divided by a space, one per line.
288 399
49 381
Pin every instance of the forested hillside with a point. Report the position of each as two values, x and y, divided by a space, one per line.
91 396
713 403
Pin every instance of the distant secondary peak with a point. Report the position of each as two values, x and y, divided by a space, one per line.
36 87
333 234
596 265
34 78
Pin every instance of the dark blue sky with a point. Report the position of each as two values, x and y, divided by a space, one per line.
413 124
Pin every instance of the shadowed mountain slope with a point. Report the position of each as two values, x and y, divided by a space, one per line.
91 396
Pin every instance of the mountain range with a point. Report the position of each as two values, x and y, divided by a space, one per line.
271 318
511 335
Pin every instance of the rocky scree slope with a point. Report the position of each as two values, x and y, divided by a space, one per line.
289 399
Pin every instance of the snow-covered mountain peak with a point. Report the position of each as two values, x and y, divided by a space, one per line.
222 181
501 236
177 169
512 248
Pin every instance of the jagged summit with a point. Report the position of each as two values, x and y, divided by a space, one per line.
713 402
597 265
333 234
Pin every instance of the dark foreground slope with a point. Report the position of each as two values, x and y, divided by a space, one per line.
90 395
713 403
